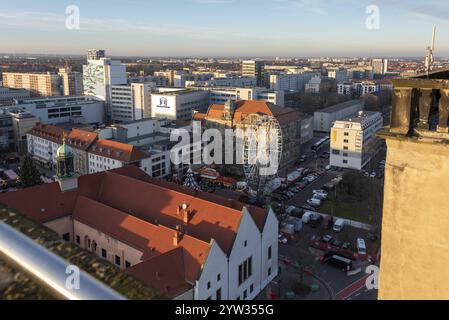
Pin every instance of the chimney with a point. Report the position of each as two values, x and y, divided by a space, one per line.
186 216
177 236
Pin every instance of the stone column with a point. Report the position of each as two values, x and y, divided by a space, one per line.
425 102
443 110
402 110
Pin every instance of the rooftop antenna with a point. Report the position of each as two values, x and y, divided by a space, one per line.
429 57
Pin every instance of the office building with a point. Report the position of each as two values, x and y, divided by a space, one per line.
353 140
178 104
39 84
340 75
325 118
22 122
7 95
254 69
56 110
131 102
98 78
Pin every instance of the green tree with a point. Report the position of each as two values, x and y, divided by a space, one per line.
29 175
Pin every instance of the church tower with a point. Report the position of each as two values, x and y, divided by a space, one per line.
65 174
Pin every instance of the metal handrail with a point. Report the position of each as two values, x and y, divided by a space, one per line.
49 269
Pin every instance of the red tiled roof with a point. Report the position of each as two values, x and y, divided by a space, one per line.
143 212
81 139
116 150
48 132
244 108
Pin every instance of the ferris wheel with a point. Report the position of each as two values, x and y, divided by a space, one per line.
262 151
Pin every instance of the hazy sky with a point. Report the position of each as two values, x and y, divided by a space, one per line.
254 28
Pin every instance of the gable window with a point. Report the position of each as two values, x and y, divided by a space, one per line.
127 264
104 253
208 285
219 294
270 253
117 260
218 277
78 240
66 236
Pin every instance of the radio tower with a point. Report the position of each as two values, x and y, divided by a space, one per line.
429 57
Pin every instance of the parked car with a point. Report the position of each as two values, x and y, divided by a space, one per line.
327 239
328 168
361 246
307 216
314 202
338 225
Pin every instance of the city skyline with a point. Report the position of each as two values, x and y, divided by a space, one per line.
295 28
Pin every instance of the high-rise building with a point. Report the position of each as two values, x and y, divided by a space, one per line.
95 54
98 78
133 102
254 68
41 84
415 220
380 66
72 82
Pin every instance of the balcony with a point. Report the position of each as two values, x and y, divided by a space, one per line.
420 107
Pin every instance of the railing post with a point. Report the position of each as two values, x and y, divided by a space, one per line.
443 110
425 103
402 110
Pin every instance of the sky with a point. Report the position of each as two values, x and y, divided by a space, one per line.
221 28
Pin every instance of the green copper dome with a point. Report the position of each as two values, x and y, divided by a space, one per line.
64 151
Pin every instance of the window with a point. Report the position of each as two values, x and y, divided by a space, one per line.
346 134
127 264
251 288
269 271
104 253
78 240
245 270
219 277
346 141
66 236
245 244
345 161
117 260
345 148
336 152
270 253
208 285
245 294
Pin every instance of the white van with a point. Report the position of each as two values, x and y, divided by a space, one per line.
314 202
307 216
338 225
361 246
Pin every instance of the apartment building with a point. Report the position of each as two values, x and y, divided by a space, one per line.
39 84
254 69
353 140
290 81
72 82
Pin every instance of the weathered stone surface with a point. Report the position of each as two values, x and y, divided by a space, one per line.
415 237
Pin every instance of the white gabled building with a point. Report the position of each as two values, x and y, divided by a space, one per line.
187 244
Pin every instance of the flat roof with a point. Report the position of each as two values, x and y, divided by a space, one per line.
340 106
